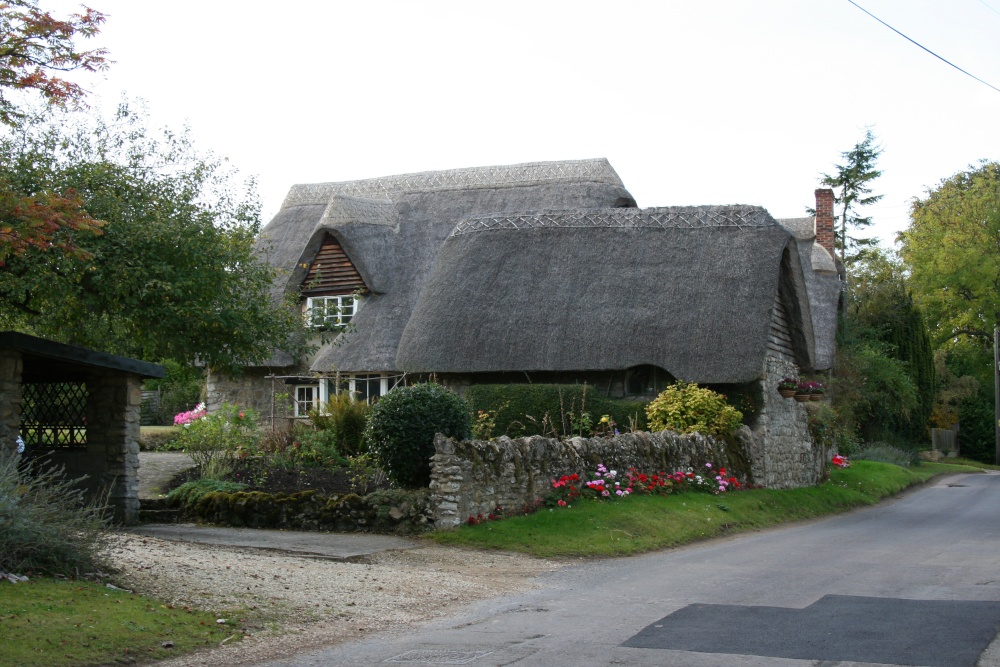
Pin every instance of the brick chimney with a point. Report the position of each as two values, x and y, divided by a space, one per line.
824 220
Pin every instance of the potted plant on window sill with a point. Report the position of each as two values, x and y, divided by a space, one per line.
809 391
787 387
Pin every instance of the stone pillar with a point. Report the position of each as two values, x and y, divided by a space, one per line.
447 479
113 416
10 399
787 456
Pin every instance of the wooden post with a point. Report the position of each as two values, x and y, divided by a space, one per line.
996 391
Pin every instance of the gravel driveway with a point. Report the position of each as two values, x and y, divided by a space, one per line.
289 603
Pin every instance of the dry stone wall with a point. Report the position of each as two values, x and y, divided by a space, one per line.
475 477
784 454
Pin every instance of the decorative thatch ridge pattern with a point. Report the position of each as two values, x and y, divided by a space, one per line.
345 210
675 217
501 176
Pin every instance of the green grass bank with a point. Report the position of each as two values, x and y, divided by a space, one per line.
60 623
645 523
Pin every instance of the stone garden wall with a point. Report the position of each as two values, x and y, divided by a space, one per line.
475 477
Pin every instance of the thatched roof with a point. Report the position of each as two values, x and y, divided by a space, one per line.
393 228
688 289
550 267
823 285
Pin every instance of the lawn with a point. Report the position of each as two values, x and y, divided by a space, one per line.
57 623
644 523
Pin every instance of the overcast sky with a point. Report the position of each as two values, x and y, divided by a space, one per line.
693 102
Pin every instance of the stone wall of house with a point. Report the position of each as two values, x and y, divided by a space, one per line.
783 454
10 399
253 389
475 477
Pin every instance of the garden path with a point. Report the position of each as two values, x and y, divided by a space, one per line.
156 469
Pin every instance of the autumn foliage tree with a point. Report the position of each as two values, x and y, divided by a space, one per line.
114 236
36 50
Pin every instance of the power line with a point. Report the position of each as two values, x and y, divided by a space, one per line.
990 6
922 46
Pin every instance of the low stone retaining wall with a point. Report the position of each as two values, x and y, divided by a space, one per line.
393 511
475 477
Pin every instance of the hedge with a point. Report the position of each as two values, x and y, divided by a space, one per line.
520 408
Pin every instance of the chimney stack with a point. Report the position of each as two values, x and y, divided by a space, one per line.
824 220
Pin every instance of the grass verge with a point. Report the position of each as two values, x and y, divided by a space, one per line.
645 523
59 623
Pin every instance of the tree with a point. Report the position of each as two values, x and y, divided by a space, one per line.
952 252
36 48
851 191
886 319
173 275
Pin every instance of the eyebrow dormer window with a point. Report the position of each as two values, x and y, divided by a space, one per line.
330 312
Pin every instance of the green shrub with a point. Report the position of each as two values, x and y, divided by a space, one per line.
401 429
45 523
313 447
215 441
687 408
346 418
884 453
551 409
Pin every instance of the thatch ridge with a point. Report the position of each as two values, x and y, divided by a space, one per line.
669 217
597 170
346 210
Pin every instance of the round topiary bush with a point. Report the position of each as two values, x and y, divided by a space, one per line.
687 408
401 428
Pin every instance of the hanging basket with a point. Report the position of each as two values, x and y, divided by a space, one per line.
802 398
786 393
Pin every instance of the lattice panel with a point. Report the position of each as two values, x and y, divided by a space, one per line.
54 415
504 176
679 217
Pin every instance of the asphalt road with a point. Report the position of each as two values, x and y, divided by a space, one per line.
915 581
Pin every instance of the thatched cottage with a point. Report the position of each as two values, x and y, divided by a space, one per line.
549 272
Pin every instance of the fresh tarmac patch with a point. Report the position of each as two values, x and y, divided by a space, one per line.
931 633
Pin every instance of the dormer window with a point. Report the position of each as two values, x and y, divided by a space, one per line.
330 312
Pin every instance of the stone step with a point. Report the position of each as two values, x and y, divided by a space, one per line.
157 510
159 516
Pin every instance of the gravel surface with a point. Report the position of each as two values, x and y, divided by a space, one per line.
288 603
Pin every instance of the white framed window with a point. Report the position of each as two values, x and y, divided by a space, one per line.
306 399
331 311
368 387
